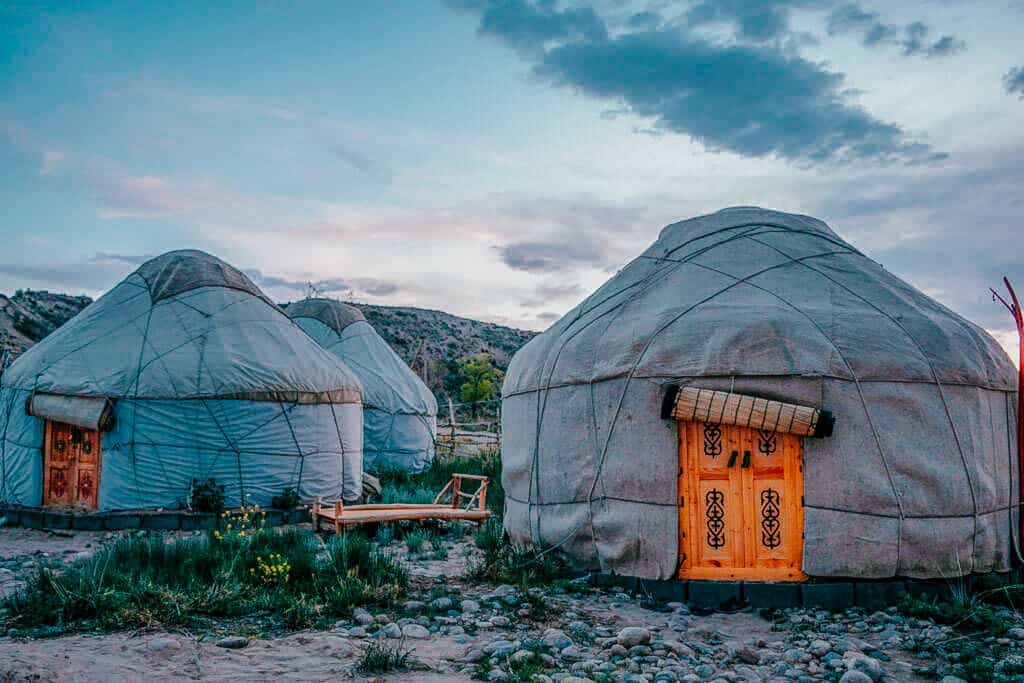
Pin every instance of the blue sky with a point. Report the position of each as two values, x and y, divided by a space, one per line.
499 158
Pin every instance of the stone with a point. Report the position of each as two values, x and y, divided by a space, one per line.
819 648
474 655
854 676
555 639
233 642
1017 633
441 604
500 648
470 606
362 617
632 636
357 632
163 645
416 632
392 630
521 657
414 606
952 679
571 654
748 655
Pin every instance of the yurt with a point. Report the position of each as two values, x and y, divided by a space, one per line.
185 370
399 411
753 399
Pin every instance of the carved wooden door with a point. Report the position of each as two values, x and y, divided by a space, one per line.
741 509
71 466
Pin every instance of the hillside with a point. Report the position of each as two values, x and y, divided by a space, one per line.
28 316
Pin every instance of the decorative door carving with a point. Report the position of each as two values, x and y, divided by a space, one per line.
741 510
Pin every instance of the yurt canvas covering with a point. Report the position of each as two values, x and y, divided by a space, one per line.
918 477
183 370
399 411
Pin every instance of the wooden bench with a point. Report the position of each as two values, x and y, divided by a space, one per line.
462 506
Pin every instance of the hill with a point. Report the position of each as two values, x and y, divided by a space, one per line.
430 341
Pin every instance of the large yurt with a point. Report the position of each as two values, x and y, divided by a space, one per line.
399 411
753 399
185 370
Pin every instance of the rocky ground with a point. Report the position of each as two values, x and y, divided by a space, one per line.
459 629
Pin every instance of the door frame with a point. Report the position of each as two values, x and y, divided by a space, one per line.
72 483
690 534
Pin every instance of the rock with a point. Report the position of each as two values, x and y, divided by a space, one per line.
233 642
362 617
866 665
748 655
474 655
357 632
164 645
441 604
571 654
416 632
470 606
819 648
497 675
392 630
704 670
521 657
952 679
414 606
500 621
632 636
854 676
576 679
555 639
500 648
1017 633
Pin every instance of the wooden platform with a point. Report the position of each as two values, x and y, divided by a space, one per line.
461 506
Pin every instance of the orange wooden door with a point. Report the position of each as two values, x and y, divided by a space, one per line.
741 514
71 466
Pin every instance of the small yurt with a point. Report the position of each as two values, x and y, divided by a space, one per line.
399 411
754 399
185 370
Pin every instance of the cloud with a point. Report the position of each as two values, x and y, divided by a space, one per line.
529 26
912 38
1013 81
129 259
727 97
551 257
132 196
754 20
547 293
350 287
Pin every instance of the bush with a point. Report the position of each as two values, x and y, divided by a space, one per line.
381 658
507 562
206 496
286 500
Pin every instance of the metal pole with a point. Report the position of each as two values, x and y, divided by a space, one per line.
1018 318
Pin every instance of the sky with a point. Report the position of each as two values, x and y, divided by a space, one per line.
499 159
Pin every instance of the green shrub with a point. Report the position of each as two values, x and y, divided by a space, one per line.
507 562
206 496
286 500
414 541
381 658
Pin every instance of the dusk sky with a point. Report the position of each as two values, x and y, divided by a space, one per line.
499 159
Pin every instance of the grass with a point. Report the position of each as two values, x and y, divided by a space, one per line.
381 658
504 561
291 576
399 486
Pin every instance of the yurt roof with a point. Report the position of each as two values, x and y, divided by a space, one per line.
753 292
184 325
335 314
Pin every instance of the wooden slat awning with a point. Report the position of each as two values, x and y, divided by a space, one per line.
691 404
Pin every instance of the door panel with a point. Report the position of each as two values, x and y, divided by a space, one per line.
71 466
740 515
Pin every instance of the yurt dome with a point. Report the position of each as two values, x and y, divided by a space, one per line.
399 411
185 370
754 399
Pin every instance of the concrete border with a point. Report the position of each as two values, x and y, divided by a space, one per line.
157 520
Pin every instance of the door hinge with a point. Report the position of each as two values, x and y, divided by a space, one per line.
681 501
801 501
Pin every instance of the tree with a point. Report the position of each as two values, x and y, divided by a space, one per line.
481 380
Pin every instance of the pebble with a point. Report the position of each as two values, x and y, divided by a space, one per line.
163 645
415 631
632 636
855 677
362 617
233 642
392 630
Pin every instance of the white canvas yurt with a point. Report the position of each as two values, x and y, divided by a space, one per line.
754 399
399 411
185 370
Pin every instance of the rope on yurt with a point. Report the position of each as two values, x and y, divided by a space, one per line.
938 384
135 400
232 446
295 440
341 446
644 283
1015 539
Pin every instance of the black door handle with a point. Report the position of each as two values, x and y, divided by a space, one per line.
732 458
746 459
